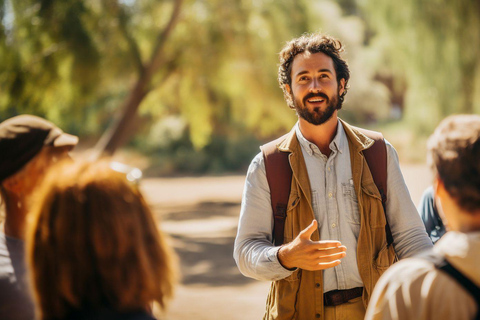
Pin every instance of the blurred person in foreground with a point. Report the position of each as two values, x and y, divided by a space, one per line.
94 249
333 202
29 146
443 284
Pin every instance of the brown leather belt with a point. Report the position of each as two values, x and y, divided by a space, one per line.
337 297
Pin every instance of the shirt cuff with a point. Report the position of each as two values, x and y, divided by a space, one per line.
280 271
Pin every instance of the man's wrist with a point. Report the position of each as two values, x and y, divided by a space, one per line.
281 257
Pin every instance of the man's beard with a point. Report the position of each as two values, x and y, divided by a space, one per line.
317 116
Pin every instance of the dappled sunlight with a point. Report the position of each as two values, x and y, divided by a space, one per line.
185 92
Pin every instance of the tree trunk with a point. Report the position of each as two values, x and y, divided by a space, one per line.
122 127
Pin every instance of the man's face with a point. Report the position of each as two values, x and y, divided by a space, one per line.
314 89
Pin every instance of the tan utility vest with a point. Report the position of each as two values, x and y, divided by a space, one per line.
300 296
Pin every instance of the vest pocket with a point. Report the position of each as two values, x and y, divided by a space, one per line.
385 258
351 203
372 202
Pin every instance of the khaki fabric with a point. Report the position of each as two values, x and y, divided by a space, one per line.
414 289
300 296
353 309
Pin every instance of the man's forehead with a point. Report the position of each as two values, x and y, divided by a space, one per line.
315 61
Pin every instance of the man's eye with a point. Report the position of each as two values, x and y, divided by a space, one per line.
303 79
323 76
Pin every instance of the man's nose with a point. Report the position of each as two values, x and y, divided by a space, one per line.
315 86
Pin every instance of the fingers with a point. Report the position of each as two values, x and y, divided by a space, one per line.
308 231
330 251
331 257
324 259
326 265
326 244
325 262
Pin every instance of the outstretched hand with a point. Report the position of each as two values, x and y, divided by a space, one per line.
306 254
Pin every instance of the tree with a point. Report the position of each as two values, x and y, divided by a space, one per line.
434 46
129 65
116 135
76 59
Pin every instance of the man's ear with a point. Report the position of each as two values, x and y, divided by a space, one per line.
341 88
288 88
438 186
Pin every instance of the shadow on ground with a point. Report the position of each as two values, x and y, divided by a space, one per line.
202 210
209 262
203 236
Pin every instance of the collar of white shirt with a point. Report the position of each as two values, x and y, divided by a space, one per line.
338 144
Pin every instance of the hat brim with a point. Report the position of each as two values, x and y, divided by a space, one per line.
65 140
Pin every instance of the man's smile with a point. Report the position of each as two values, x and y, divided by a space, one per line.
316 100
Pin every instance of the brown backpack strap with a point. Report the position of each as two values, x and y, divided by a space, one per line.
279 177
376 157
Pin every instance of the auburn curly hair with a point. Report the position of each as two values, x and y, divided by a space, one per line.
312 43
93 244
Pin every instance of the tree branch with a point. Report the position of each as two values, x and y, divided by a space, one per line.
122 19
132 44
156 57
121 128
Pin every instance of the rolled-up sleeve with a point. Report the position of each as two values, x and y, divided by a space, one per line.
408 231
254 253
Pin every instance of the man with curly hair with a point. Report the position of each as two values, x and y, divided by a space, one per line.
444 283
334 241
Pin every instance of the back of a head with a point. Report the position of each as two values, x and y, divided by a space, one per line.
454 153
93 244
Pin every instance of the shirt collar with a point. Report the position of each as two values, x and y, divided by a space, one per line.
338 143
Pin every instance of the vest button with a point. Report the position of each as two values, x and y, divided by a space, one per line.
317 285
317 315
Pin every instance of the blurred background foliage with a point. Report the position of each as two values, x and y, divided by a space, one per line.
213 97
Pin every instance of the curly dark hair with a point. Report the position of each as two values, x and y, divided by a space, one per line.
454 153
312 43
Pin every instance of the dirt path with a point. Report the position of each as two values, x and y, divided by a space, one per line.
201 215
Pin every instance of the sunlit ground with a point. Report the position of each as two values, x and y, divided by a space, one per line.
201 216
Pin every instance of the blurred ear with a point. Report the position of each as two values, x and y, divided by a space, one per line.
438 186
341 88
441 198
288 88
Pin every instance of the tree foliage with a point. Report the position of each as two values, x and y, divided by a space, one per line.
207 66
434 47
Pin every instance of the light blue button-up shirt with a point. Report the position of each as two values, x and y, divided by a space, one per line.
336 209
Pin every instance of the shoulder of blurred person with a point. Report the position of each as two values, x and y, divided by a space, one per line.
15 300
415 289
